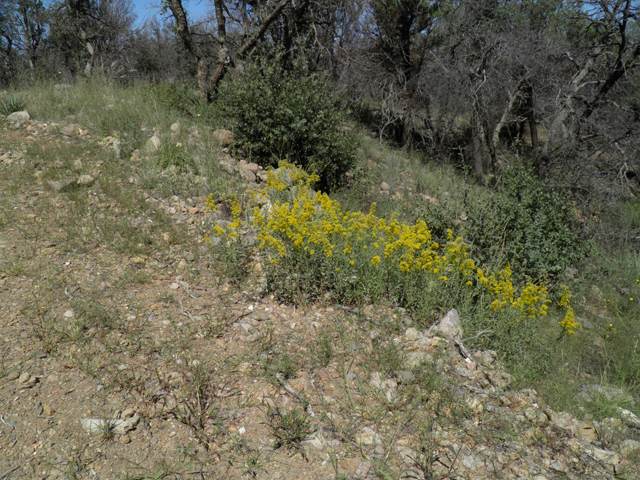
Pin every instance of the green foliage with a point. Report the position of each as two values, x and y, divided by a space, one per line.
8 105
290 115
181 98
174 155
290 429
532 225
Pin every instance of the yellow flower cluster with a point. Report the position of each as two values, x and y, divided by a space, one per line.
311 222
569 323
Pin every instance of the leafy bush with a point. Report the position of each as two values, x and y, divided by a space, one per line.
288 115
8 105
532 225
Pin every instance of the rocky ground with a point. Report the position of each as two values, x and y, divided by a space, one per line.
125 353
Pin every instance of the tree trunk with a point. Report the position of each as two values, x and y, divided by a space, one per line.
182 27
479 153
223 64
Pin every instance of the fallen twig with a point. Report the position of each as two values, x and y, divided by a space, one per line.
301 398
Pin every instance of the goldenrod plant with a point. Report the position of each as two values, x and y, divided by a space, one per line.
311 246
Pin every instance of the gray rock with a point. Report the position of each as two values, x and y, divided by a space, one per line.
609 393
252 167
499 378
248 174
628 447
19 117
415 359
127 413
118 427
85 180
64 185
223 137
610 458
70 130
153 144
629 418
405 377
189 257
450 327
384 186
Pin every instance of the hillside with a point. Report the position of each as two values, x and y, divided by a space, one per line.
128 351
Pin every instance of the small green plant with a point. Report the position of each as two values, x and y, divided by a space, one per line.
290 429
290 115
9 105
197 401
107 430
174 155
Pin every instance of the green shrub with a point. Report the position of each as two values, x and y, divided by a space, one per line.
8 105
288 115
532 225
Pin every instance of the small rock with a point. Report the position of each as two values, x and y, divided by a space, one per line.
182 264
629 446
175 128
85 180
450 327
189 257
119 427
153 144
411 334
13 375
405 377
71 130
137 261
609 393
316 440
252 167
384 186
368 437
248 174
62 185
77 165
127 413
415 359
363 470
499 379
19 117
559 466
24 378
610 458
125 439
223 137
48 411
